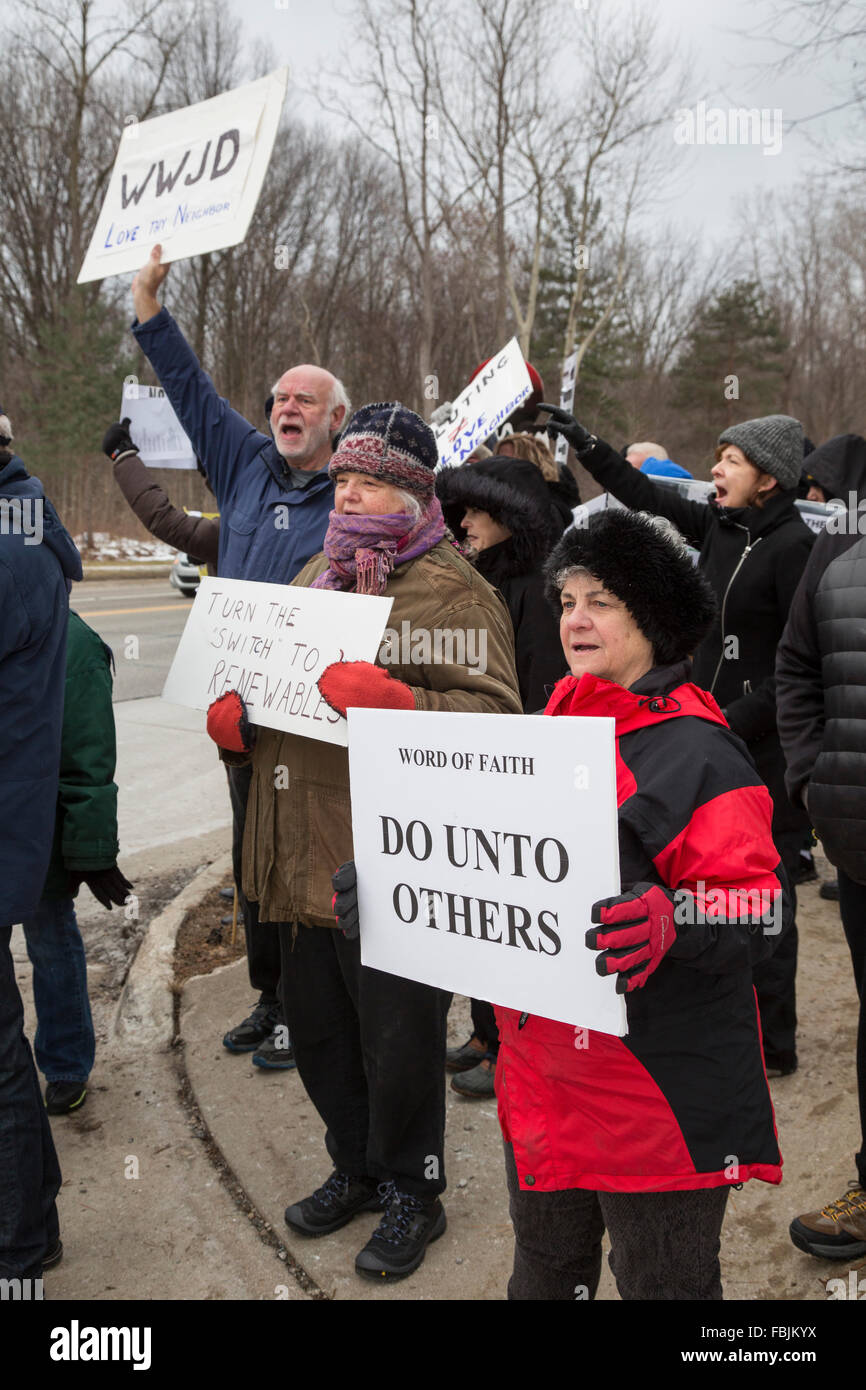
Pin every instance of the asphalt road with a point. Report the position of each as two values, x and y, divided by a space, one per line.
141 620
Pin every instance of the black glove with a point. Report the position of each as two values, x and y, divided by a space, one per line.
108 886
561 422
116 442
345 900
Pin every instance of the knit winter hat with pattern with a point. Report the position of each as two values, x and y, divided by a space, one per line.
391 443
773 443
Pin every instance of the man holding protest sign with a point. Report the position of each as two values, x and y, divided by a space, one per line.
370 1046
274 496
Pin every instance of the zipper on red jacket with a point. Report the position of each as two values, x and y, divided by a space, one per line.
523 1018
748 549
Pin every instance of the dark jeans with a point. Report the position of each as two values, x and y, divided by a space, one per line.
64 1042
775 985
263 946
852 906
484 1025
664 1245
29 1171
370 1049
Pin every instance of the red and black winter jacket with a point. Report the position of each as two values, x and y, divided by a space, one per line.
682 1100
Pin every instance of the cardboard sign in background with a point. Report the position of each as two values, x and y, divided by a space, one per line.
484 405
271 643
518 794
155 429
190 179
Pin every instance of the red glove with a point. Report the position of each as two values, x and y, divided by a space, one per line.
361 685
228 725
637 933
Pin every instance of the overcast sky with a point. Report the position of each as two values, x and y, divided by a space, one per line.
729 70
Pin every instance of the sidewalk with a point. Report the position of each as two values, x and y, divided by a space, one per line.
175 1231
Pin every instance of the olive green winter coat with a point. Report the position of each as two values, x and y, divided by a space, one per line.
85 827
299 824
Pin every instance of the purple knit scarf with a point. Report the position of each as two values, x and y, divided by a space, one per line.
363 550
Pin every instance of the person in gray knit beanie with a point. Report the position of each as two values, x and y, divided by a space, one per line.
773 445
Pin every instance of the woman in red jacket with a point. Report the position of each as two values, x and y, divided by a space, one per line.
645 1134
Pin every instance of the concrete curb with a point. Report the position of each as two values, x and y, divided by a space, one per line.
145 1010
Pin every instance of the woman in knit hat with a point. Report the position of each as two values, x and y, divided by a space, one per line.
370 1047
644 1134
753 547
503 506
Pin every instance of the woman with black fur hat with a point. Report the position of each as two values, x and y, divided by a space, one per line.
504 508
643 1135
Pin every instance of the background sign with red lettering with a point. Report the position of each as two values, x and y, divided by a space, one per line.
271 643
190 179
481 842
485 404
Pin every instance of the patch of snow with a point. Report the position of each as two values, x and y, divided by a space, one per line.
99 545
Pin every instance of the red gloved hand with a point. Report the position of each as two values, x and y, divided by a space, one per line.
638 930
361 685
228 725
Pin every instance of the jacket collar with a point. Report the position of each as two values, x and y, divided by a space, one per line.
758 520
663 693
275 463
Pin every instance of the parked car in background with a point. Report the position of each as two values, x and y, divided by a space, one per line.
185 576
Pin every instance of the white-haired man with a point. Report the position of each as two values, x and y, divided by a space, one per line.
275 497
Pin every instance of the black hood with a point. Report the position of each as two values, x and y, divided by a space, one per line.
839 466
515 494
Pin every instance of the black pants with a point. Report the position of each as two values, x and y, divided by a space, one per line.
484 1025
29 1171
852 905
775 985
664 1245
263 946
370 1049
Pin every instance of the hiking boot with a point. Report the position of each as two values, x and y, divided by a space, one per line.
477 1084
830 890
805 871
227 893
333 1205
465 1057
399 1242
63 1097
779 1066
276 1052
837 1231
254 1029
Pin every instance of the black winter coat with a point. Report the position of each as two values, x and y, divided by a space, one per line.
515 494
821 669
753 557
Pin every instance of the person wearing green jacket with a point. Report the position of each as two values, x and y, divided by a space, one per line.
84 850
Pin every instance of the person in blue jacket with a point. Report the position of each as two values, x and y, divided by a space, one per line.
38 562
275 498
653 458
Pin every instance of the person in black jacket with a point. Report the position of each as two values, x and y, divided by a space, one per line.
821 693
561 482
504 507
753 547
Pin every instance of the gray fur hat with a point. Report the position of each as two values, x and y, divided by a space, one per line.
773 443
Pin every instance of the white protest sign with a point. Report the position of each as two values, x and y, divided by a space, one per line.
154 428
485 404
481 842
271 643
190 179
566 402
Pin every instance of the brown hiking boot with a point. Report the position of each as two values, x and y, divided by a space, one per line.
467 1056
837 1231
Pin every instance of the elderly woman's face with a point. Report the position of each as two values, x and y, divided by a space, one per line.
358 494
598 633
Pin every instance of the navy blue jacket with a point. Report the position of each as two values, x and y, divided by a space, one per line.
269 528
35 580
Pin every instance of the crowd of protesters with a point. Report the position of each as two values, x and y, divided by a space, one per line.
722 639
